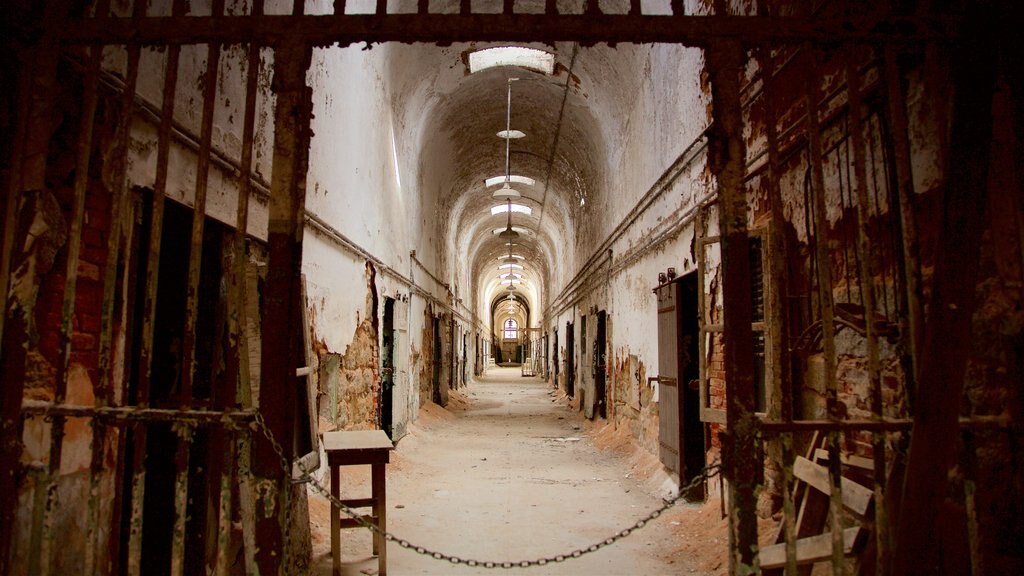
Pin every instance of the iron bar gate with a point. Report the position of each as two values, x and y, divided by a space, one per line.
106 370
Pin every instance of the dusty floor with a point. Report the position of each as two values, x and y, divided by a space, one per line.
509 472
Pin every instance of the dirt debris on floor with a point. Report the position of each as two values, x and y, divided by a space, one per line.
504 474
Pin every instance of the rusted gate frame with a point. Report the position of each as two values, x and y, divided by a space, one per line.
779 328
698 33
867 290
943 357
825 303
587 29
140 432
727 158
36 77
105 395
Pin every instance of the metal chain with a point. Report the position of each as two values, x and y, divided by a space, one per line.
708 472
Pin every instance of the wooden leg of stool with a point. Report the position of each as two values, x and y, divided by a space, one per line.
380 511
335 522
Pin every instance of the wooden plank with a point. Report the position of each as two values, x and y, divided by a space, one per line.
808 550
854 496
847 460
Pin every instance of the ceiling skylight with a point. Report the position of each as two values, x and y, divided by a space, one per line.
530 58
503 208
498 180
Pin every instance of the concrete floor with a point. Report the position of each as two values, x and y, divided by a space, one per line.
509 472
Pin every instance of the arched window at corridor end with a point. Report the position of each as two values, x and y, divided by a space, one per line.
511 329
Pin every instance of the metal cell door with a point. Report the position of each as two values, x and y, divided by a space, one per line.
669 404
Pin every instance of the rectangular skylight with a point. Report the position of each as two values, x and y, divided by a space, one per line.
530 58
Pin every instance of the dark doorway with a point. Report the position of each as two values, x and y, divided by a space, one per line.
554 360
158 448
570 357
436 375
681 433
387 369
600 360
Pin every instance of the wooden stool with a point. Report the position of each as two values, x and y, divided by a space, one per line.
349 448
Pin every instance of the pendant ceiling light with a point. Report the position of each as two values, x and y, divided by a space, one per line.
506 192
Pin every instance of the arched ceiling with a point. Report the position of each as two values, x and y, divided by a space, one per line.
569 117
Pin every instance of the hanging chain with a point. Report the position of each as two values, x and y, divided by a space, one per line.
708 472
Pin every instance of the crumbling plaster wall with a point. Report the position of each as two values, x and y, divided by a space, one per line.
362 183
658 152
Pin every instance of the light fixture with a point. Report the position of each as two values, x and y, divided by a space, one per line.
506 192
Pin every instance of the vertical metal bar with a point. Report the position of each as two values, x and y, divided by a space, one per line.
944 357
778 325
898 123
82 161
145 367
181 463
104 391
508 6
867 290
727 157
278 394
199 216
423 6
36 76
635 8
238 357
224 510
185 434
826 305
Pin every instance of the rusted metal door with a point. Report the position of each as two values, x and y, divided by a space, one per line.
669 402
600 364
387 370
680 433
570 360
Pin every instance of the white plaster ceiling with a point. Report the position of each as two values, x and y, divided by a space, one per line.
454 116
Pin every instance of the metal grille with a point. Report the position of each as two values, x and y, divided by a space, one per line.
93 387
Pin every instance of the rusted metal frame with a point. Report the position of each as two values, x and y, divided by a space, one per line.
199 217
899 133
184 432
134 564
825 302
278 393
238 345
874 126
778 326
881 425
37 63
104 396
867 289
944 356
324 30
118 414
83 153
189 368
727 157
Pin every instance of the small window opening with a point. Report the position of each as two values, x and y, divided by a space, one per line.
530 58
